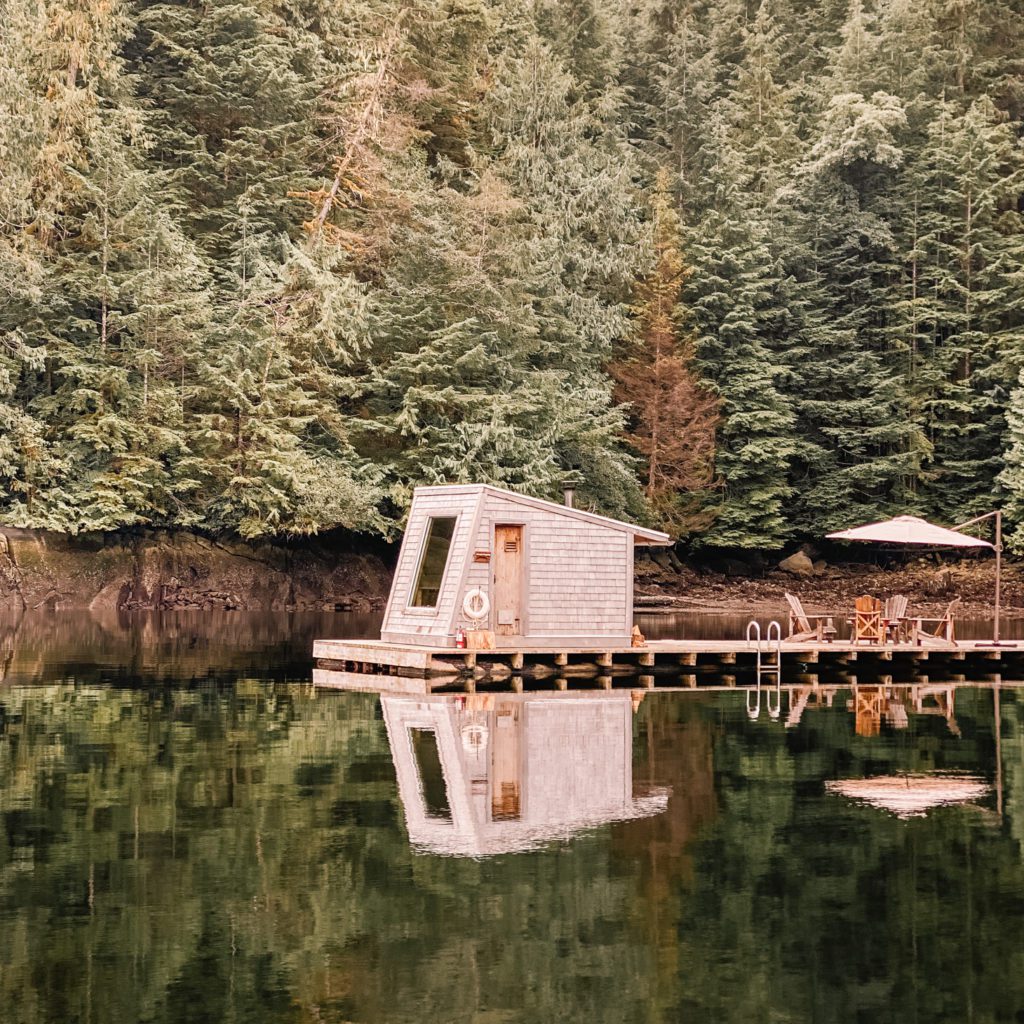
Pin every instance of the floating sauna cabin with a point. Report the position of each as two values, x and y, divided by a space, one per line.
534 573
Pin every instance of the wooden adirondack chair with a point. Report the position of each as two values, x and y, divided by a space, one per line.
808 627
940 632
867 620
894 615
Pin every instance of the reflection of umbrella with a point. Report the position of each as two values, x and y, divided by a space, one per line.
914 530
910 796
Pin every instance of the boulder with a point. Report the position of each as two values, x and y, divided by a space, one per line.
798 563
660 557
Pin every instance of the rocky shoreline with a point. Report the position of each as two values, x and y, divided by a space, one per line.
164 571
930 583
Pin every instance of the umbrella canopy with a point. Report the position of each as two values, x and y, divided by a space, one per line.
910 530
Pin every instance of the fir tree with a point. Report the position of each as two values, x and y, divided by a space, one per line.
731 293
673 418
968 273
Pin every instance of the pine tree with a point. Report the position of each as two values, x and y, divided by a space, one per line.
673 418
968 274
1011 478
28 464
731 294
672 75
758 109
98 217
500 301
862 448
238 94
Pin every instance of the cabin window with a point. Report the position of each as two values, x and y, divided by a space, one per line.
438 543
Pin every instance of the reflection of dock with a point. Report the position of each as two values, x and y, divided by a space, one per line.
880 701
499 773
657 661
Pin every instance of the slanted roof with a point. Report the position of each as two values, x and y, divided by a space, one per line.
641 535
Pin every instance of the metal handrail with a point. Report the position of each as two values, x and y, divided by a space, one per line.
772 668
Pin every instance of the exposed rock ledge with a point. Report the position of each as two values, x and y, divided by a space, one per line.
161 570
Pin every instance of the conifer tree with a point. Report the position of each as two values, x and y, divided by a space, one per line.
731 293
673 418
758 109
28 463
265 266
98 215
968 274
862 448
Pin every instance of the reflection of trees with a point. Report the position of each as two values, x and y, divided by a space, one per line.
1012 720
237 854
216 854
810 908
164 646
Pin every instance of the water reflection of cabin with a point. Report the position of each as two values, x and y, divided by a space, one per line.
551 574
486 773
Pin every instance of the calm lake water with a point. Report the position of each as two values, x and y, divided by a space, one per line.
190 833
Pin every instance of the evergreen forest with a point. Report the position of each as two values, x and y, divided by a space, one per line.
750 270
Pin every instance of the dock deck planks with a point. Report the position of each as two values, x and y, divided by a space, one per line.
377 656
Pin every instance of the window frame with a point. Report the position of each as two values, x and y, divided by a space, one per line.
431 609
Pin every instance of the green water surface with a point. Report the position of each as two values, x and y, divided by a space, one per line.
190 833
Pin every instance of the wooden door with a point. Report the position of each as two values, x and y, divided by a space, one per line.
508 580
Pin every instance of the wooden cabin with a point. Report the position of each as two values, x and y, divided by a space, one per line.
534 573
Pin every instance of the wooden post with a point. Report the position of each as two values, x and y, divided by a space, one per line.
518 658
604 660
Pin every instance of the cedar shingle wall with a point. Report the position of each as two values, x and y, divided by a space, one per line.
578 573
433 624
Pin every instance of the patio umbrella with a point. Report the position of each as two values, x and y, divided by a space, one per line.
910 530
915 530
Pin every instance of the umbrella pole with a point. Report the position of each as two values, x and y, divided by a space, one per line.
999 570
996 514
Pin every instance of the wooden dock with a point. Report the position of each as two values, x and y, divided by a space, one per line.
665 660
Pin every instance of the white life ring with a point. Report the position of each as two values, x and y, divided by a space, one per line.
476 604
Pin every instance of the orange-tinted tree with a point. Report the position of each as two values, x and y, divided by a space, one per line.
673 415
